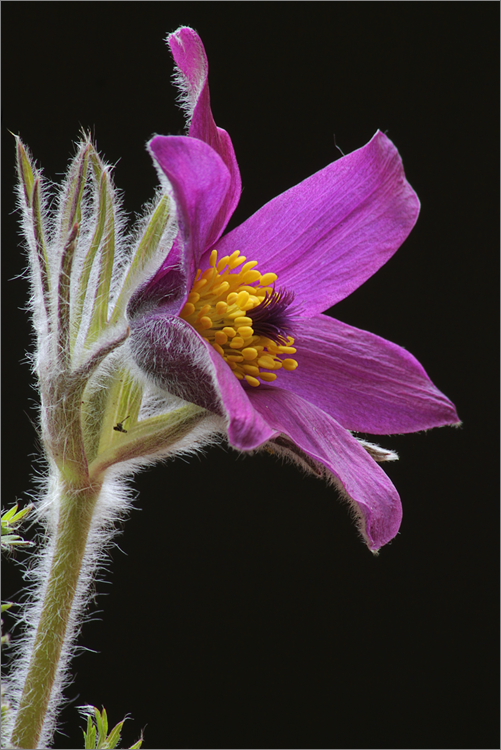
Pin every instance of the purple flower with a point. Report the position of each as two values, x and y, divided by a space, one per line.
235 323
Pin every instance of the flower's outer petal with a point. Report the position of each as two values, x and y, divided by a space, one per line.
246 428
200 181
177 359
166 290
374 497
170 353
329 234
366 383
192 77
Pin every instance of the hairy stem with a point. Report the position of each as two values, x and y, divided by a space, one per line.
74 525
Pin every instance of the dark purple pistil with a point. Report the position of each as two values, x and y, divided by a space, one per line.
271 318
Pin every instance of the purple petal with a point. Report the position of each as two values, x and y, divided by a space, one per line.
200 181
366 383
180 361
172 354
246 428
373 496
192 76
334 230
166 290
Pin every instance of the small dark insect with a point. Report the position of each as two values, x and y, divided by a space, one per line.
120 426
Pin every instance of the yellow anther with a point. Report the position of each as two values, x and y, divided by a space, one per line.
250 276
251 370
268 377
209 273
237 342
199 284
242 298
219 308
221 289
252 381
249 266
267 362
205 322
188 309
238 260
243 321
223 263
203 311
245 331
252 301
249 353
221 337
268 278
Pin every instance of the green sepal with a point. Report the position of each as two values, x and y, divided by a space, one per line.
145 251
106 231
65 425
75 187
82 291
69 229
148 437
30 180
64 295
27 173
119 402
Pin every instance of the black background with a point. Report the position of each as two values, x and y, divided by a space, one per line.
240 608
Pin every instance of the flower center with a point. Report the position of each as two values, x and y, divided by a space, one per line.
240 313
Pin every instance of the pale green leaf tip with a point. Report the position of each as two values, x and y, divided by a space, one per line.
96 736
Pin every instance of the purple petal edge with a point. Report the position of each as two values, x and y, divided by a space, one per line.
368 384
192 73
371 493
200 181
329 234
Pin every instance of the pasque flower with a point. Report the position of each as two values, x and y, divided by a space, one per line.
234 323
149 343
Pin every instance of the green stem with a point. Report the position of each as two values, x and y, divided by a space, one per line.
75 519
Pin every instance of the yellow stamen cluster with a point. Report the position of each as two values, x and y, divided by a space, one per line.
217 308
